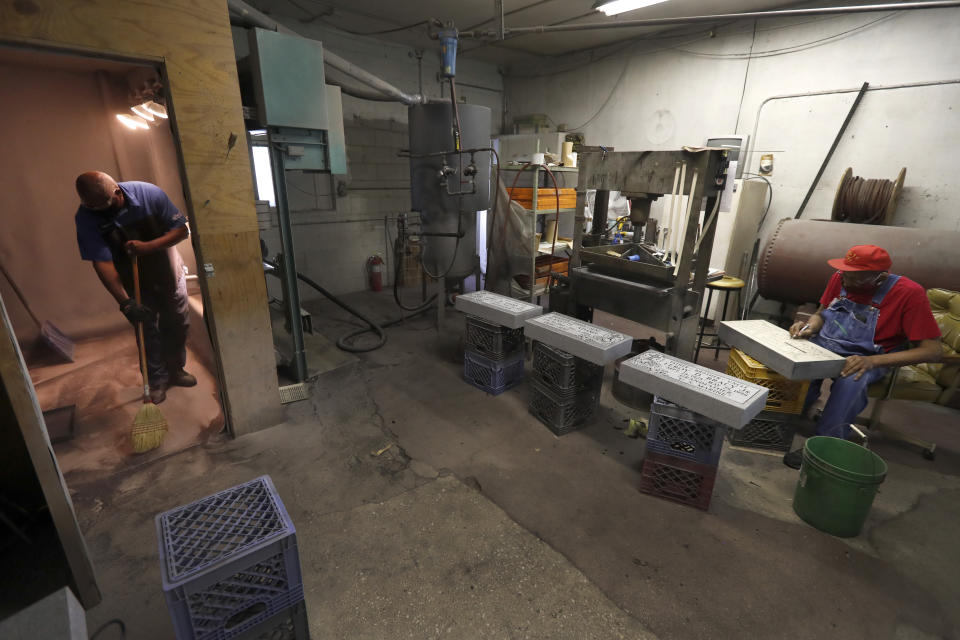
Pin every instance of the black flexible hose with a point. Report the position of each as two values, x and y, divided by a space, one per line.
117 621
343 343
397 250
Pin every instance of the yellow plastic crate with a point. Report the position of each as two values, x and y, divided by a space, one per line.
785 396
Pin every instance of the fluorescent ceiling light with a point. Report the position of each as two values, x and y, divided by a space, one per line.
614 7
132 122
141 111
156 109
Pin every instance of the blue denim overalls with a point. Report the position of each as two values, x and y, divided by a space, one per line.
849 329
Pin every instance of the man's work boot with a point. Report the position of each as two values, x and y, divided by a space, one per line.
158 394
182 379
794 459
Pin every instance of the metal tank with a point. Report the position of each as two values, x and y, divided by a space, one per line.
793 266
449 188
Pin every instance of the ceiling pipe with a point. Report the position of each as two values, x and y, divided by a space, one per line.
752 15
251 16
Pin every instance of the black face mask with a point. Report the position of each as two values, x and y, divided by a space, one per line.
109 212
867 287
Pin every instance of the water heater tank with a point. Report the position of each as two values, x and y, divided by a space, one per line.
449 205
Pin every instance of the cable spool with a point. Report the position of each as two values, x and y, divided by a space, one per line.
866 200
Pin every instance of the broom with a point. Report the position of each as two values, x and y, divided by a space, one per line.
149 425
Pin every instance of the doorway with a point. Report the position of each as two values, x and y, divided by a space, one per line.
64 114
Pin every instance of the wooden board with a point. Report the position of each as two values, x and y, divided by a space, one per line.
546 198
193 43
29 419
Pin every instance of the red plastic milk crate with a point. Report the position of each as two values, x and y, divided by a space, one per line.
679 480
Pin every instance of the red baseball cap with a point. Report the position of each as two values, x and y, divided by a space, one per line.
863 257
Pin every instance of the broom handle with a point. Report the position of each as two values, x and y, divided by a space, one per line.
142 349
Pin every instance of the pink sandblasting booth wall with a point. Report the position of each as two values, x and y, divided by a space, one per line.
57 124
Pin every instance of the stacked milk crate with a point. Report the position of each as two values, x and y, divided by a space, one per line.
230 567
565 389
784 366
692 409
493 341
567 372
774 428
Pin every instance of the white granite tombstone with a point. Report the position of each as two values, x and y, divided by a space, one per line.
795 359
723 398
582 339
498 309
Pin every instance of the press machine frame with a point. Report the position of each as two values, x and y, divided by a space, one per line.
649 294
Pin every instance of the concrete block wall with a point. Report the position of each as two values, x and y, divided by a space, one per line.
335 234
340 221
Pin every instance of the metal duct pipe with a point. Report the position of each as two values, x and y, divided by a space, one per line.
793 266
251 16
751 15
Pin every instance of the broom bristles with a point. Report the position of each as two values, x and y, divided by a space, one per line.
149 428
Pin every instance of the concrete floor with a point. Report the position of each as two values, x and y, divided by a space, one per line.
478 522
104 385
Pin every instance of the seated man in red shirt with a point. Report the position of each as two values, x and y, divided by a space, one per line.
867 314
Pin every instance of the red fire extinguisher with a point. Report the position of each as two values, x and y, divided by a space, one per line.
375 268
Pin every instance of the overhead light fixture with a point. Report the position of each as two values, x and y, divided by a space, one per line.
156 109
141 111
132 122
613 7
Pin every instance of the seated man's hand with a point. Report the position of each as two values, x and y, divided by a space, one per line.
856 366
808 328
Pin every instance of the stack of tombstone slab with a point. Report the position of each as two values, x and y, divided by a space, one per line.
493 339
569 356
693 408
765 354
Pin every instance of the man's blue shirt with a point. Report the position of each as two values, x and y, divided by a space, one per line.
146 210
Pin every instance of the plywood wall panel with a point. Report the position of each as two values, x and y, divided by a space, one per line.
193 41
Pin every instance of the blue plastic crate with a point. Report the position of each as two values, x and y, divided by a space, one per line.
678 432
492 376
228 561
288 624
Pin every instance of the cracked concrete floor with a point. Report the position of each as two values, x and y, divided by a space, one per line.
389 547
477 522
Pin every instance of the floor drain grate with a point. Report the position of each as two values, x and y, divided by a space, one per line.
293 393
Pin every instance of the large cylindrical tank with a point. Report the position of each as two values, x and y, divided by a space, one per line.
793 266
450 207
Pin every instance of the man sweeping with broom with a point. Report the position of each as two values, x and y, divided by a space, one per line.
128 231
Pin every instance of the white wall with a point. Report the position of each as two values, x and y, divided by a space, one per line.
335 235
668 98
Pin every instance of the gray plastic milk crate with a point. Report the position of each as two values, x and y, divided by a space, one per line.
230 566
491 340
563 412
562 372
678 432
493 376
769 431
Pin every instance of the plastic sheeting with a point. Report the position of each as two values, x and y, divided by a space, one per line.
510 235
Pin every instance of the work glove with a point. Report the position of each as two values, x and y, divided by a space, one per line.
135 312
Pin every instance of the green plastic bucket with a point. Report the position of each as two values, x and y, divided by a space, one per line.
838 480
